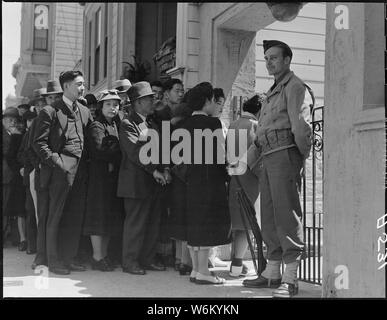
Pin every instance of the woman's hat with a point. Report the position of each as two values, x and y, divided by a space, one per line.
53 87
122 85
109 95
139 90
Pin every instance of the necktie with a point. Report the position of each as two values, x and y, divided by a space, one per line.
149 120
74 106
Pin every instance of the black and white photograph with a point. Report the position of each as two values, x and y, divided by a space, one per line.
228 151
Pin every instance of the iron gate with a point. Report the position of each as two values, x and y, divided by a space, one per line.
312 204
311 198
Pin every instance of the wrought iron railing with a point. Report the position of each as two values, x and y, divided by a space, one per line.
312 200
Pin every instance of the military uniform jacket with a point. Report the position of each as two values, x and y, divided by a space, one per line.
287 106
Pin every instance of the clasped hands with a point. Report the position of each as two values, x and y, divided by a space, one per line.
164 177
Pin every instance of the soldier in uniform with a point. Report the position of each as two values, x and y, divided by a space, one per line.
284 134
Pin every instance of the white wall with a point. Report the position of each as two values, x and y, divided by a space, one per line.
306 36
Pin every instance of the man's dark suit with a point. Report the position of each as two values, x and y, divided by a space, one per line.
65 176
141 195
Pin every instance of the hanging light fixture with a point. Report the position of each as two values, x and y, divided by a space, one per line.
285 11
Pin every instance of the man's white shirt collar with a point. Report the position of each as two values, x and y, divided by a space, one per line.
68 102
143 118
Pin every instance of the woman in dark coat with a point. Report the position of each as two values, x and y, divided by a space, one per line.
104 209
207 214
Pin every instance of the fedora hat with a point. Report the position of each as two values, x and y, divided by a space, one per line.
24 106
139 90
109 95
11 112
122 85
37 95
53 87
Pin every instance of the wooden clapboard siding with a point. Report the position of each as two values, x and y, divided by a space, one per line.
306 36
113 42
69 36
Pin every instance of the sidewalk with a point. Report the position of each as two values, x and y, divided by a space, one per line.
19 280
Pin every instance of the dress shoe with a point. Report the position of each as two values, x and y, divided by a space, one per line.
262 282
208 279
101 265
76 267
184 269
60 270
38 262
112 264
217 262
286 290
22 246
135 269
155 267
192 276
31 251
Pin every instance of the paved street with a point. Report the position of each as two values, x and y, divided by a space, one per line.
20 281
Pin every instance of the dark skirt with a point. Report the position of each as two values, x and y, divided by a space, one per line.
104 210
207 216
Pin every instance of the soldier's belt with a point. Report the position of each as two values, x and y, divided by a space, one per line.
276 140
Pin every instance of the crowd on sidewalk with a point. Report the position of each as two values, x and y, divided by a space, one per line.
77 186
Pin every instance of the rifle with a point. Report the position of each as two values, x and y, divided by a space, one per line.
248 214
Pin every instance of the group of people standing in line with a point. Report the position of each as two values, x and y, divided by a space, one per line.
80 161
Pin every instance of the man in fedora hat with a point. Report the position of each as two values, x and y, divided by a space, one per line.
138 185
23 108
284 134
24 158
53 92
122 86
59 141
39 193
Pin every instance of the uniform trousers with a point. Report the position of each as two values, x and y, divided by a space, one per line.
280 183
141 230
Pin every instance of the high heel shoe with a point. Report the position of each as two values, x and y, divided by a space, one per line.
177 264
184 269
101 265
22 246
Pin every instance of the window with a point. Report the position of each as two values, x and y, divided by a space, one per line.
41 39
98 32
41 27
97 45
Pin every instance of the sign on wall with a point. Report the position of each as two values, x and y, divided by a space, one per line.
41 16
41 27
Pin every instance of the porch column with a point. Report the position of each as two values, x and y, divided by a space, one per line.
354 153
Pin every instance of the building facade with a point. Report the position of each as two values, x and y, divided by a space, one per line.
51 42
122 39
